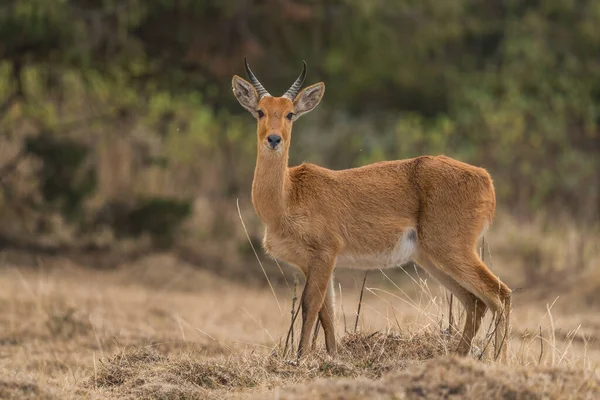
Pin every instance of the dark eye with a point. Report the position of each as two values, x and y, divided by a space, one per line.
260 114
290 116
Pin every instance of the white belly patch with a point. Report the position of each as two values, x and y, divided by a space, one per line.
403 252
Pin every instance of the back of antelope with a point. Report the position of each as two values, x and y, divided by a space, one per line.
429 209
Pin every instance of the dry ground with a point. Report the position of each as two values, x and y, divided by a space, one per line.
162 329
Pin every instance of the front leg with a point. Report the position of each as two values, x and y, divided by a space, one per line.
317 282
326 316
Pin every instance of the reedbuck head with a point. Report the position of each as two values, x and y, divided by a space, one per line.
275 115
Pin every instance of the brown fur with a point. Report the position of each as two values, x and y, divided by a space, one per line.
314 215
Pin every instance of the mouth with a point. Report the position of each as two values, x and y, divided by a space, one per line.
276 148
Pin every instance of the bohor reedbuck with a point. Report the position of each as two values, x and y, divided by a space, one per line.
432 210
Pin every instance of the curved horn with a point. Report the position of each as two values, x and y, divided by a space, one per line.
295 88
257 85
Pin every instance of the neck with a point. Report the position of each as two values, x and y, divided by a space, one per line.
268 187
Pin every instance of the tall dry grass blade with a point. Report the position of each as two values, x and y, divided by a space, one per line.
35 296
422 311
450 315
482 249
585 358
408 299
390 305
95 369
237 202
522 353
504 336
541 346
492 336
259 323
282 274
180 327
489 328
98 341
316 334
294 299
553 331
362 291
215 340
291 329
483 242
342 307
490 255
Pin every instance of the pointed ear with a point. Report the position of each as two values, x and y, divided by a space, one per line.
308 99
245 93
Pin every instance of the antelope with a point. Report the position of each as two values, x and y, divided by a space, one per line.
431 210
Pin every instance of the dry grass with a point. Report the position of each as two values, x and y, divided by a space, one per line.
145 372
456 378
368 364
161 329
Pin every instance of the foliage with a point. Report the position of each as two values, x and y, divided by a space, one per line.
60 181
157 217
512 86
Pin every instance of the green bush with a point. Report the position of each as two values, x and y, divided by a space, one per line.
511 86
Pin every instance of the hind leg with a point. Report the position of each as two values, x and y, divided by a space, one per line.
474 307
502 335
467 269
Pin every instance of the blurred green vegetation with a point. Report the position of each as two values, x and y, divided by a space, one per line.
128 102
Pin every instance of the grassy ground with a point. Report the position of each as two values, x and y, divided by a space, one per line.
162 329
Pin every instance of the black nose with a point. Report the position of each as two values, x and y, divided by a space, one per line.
274 140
